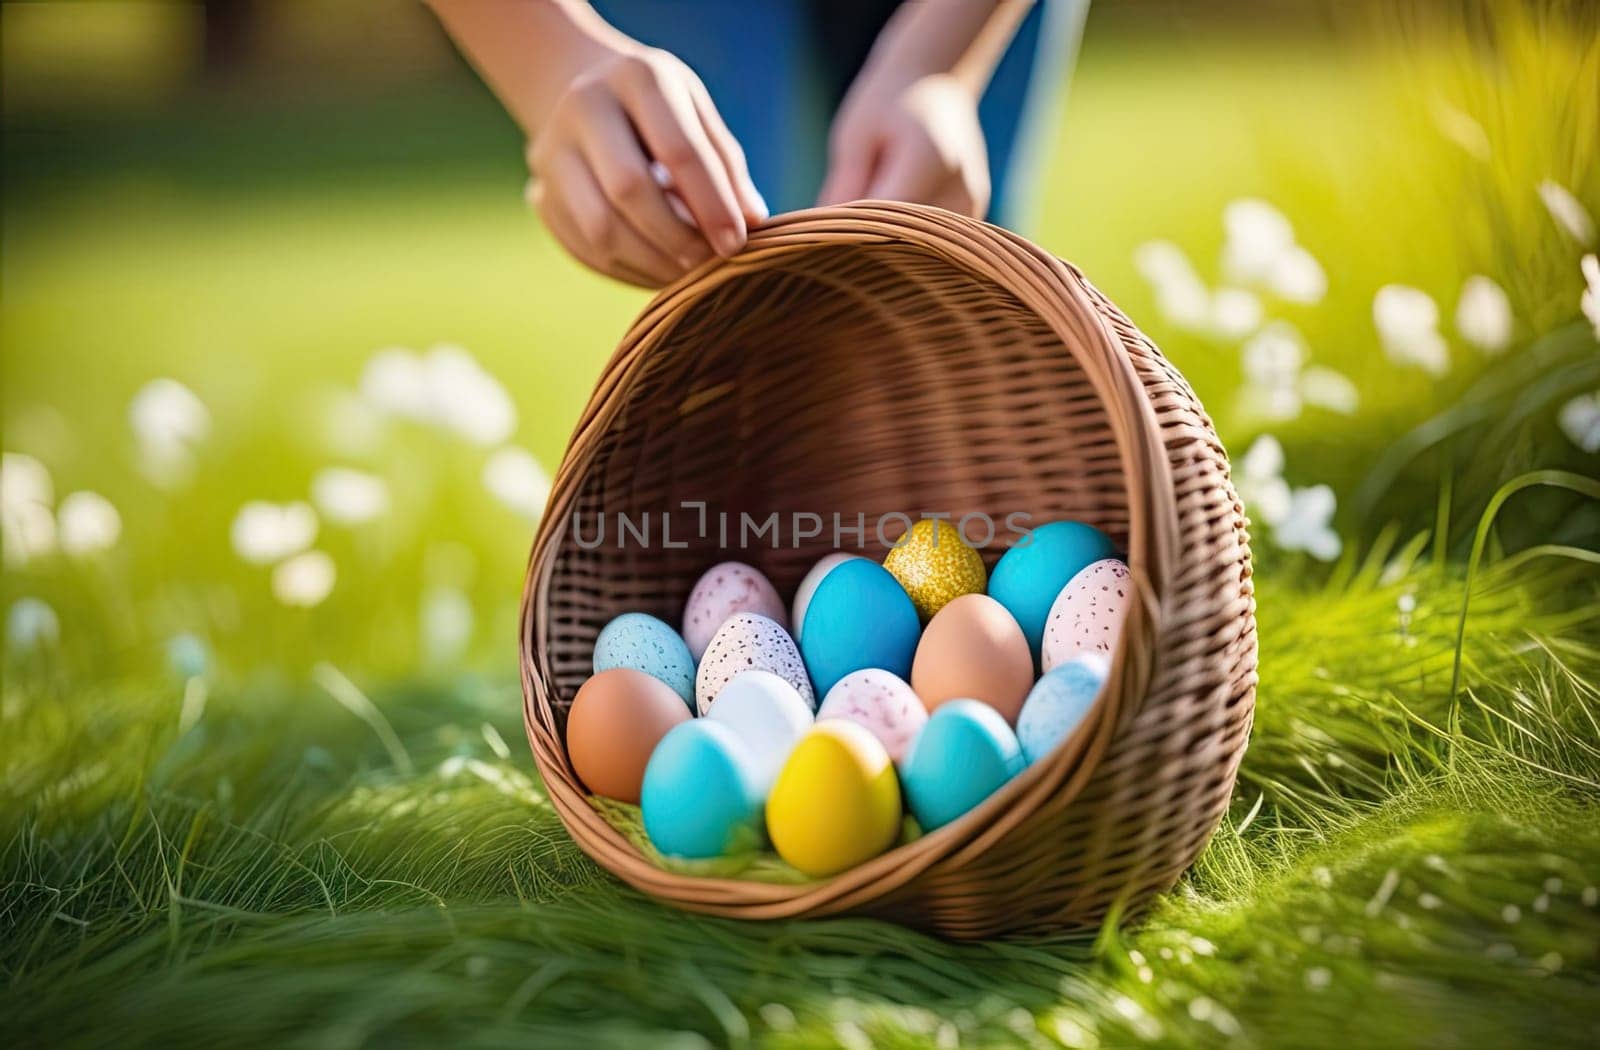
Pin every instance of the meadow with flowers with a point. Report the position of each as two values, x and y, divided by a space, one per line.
275 444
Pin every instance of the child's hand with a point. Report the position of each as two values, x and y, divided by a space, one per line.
633 170
592 178
908 129
918 142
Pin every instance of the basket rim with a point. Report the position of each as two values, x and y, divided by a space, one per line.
1057 292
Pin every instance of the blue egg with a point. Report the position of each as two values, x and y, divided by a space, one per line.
1028 577
1058 704
644 643
859 617
700 796
963 755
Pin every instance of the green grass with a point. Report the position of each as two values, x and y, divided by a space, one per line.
1377 876
250 858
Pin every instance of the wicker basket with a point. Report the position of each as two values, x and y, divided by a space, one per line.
879 358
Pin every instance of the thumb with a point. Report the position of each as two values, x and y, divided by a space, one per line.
849 174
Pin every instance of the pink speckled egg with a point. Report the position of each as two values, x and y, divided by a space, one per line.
750 642
1088 613
881 703
725 589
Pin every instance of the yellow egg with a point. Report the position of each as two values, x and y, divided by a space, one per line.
836 802
935 566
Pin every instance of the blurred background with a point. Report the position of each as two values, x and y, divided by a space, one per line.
285 367
275 211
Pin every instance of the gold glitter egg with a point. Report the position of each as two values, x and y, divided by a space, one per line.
935 566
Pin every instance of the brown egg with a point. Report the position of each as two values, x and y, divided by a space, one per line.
973 649
615 722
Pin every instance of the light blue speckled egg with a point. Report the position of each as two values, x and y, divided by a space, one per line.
963 755
1058 704
1028 577
701 797
644 643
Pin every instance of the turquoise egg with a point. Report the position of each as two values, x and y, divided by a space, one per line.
644 643
859 617
701 797
1028 577
1058 704
963 755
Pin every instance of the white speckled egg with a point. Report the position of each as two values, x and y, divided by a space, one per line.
723 590
808 586
769 717
1088 613
880 702
750 642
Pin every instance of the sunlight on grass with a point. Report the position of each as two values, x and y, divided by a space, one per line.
274 450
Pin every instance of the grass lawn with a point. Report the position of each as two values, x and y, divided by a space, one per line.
226 819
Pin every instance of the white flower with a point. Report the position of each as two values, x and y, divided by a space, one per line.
30 532
264 532
447 623
26 493
1186 304
1161 261
1272 404
1267 499
1264 459
88 524
1306 526
1260 250
24 479
1580 421
30 623
169 421
515 478
1258 235
396 382
1328 389
349 497
1235 313
445 387
1272 359
1260 480
1589 301
1297 277
1568 212
1407 320
304 580
470 401
1181 296
1483 314
1274 355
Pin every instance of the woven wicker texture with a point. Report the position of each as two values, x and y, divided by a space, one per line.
878 358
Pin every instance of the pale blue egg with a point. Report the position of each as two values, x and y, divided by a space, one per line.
1058 704
701 797
859 617
963 755
644 643
1028 577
